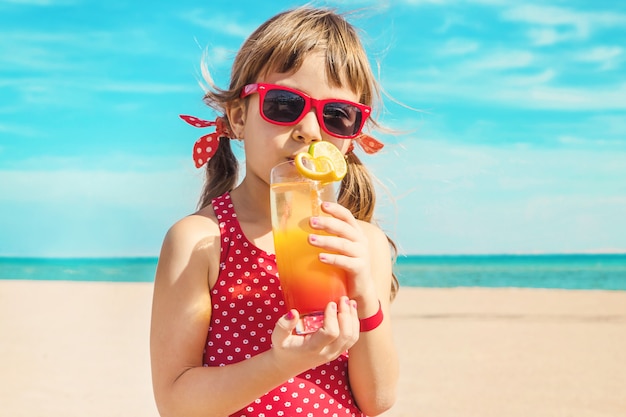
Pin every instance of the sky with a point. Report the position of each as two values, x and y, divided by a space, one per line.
508 119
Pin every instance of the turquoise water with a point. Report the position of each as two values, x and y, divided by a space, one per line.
536 271
54 269
603 271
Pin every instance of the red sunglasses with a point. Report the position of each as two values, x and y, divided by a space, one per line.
285 106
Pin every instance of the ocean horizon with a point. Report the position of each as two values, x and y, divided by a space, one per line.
605 271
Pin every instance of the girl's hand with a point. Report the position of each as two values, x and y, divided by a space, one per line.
297 353
347 248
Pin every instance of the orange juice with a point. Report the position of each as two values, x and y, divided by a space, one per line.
308 284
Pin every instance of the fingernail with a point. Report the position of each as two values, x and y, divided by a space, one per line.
312 238
289 315
325 204
348 301
354 304
314 221
333 306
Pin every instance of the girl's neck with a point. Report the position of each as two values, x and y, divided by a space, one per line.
251 199
252 205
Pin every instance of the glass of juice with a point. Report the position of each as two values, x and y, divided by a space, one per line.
308 284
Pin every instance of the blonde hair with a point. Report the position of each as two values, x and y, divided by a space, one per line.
280 45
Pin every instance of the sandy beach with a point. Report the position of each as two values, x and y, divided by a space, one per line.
81 349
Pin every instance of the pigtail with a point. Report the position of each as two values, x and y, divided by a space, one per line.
356 191
357 194
221 173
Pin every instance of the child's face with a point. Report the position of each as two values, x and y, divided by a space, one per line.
267 144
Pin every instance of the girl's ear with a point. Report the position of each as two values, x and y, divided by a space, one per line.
236 113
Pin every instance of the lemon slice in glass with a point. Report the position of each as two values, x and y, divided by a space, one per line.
323 162
318 169
330 151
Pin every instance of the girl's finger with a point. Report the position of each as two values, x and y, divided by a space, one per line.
338 211
334 244
330 330
285 326
334 226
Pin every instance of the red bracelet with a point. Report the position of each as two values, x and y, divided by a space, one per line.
370 323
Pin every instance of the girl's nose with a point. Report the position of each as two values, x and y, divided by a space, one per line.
308 129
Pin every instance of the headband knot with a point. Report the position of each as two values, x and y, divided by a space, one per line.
369 144
205 147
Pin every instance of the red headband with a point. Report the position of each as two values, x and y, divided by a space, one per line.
206 146
368 143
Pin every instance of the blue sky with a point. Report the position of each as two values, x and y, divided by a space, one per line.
517 143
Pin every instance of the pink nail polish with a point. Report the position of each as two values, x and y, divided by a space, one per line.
289 315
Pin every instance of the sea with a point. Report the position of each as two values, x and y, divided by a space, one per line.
571 271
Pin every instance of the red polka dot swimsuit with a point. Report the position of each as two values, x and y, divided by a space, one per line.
247 303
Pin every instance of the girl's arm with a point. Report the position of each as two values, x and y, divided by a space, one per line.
363 251
373 362
181 315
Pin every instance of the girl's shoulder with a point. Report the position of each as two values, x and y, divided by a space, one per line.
373 232
191 251
198 225
197 233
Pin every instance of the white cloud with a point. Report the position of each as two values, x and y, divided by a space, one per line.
126 189
591 142
428 2
468 81
479 199
92 212
614 125
79 91
459 47
140 87
40 2
18 130
547 15
550 36
557 24
80 50
222 23
451 2
532 79
572 98
608 57
500 60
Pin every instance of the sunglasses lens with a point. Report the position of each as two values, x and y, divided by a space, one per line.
342 119
283 106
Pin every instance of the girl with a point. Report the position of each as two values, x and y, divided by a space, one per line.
221 337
